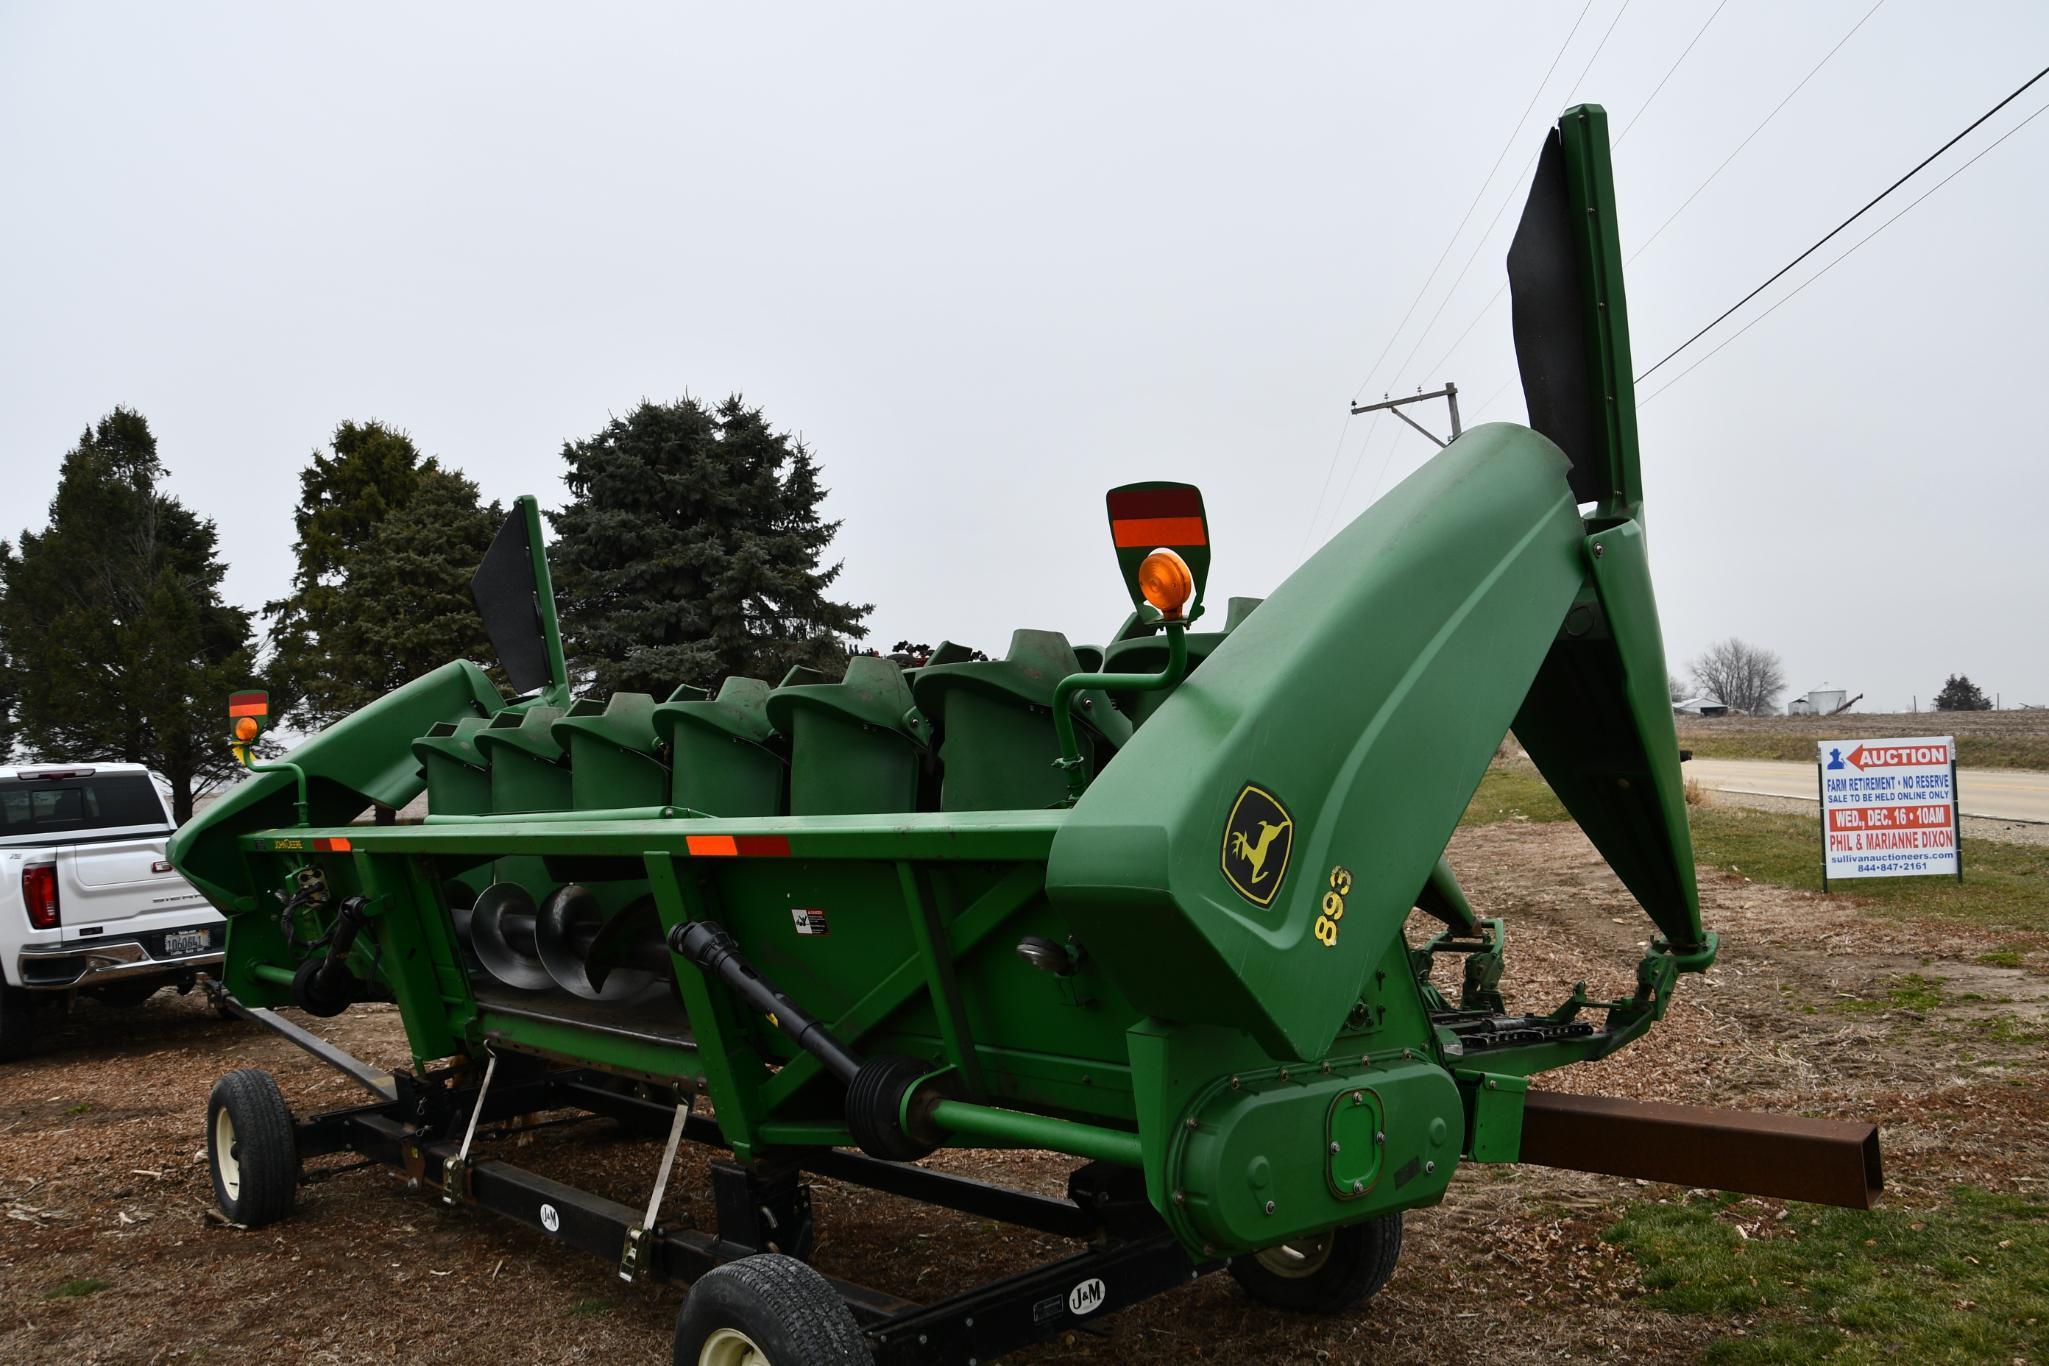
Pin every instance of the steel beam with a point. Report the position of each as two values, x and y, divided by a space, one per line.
1826 1161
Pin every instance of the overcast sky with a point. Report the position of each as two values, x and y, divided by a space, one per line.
990 264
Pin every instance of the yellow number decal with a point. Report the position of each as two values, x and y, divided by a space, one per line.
1333 906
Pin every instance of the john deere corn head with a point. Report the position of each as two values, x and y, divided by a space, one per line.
1145 904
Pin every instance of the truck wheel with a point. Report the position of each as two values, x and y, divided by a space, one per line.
1325 1273
251 1148
17 1023
767 1310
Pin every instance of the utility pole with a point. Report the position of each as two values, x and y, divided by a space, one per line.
1449 393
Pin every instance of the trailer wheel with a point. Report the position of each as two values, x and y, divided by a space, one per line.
1326 1273
17 1023
767 1310
251 1148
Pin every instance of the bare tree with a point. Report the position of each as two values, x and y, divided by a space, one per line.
1744 677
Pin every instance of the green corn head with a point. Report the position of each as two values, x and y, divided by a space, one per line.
1145 903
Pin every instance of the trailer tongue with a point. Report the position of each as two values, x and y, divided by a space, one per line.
1146 904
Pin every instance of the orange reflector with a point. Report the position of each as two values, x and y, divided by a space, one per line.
738 846
337 845
246 728
1158 531
1166 581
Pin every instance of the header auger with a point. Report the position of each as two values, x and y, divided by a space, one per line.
1143 904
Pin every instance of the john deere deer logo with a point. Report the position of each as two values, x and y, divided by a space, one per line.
1257 838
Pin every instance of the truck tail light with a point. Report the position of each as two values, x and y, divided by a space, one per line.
39 894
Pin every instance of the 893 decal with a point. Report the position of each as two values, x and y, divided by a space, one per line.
1333 909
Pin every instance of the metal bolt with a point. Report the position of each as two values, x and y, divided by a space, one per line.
1358 1188
1269 1207
968 1322
1180 1197
1599 550
1284 1074
1326 1067
1334 1147
1380 1136
1490 1083
921 1339
1190 1126
1234 1083
1407 1054
1358 1097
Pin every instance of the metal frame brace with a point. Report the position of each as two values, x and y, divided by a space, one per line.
455 1171
634 1255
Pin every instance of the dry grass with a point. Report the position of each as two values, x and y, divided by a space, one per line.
102 1182
1985 739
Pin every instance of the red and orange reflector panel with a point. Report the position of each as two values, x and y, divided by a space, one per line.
1168 516
737 846
338 845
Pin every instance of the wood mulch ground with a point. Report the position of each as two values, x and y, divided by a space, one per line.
102 1172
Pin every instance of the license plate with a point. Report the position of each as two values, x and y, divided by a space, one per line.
187 941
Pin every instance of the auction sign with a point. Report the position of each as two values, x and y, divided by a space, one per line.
1889 808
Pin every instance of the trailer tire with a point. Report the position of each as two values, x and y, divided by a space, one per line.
17 1023
767 1310
1326 1274
251 1148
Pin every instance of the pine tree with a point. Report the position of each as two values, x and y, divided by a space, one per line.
9 686
690 551
387 545
118 644
1959 693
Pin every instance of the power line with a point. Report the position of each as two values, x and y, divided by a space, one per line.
1645 106
1753 132
1780 272
1372 430
1502 289
1316 515
1474 255
1791 295
1513 133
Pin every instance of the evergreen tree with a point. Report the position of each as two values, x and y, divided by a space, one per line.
403 606
117 642
1959 693
690 551
387 545
8 686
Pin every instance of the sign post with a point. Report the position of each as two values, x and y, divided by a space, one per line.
1889 809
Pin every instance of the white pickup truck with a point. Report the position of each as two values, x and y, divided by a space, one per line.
88 902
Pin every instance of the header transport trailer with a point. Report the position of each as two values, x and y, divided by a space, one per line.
1141 904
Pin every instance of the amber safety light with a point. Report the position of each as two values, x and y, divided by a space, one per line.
1167 582
246 728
